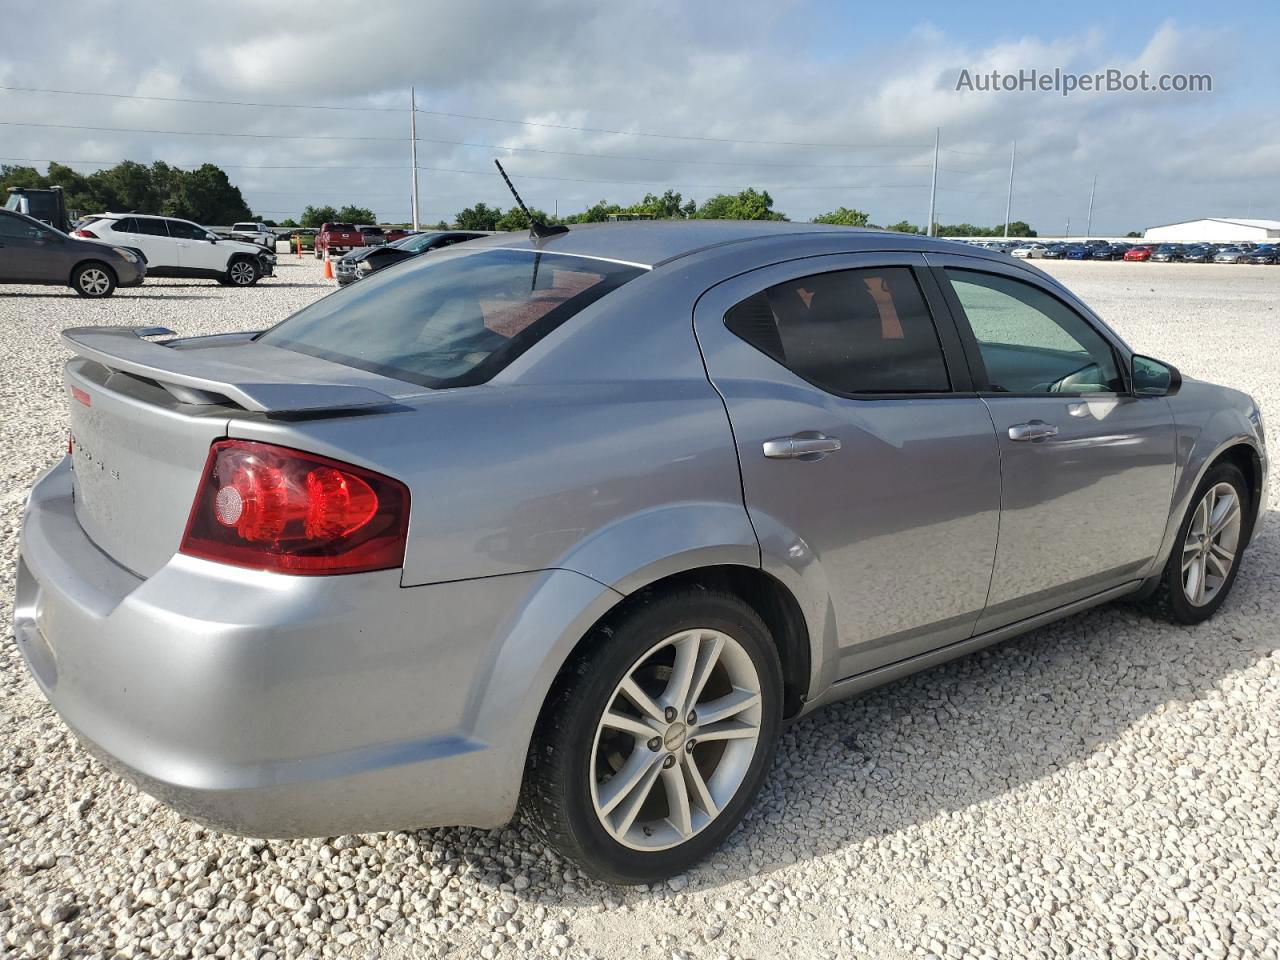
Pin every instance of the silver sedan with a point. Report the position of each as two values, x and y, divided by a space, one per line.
582 521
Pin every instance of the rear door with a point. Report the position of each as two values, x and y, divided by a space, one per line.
1087 467
149 235
868 463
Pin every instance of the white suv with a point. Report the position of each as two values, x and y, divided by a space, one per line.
180 248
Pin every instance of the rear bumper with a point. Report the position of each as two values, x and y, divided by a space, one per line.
279 706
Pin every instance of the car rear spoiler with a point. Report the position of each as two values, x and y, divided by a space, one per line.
197 379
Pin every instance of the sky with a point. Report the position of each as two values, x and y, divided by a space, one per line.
823 104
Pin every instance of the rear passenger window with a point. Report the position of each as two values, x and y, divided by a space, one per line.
851 331
150 228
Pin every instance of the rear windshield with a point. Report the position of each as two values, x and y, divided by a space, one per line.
342 227
449 322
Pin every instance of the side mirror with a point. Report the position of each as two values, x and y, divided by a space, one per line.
1152 378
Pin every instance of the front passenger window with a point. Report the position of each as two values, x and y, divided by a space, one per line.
1030 341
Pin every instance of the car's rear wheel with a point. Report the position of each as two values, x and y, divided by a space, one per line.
655 741
1205 559
243 272
93 280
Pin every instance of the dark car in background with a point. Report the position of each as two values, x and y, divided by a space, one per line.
1055 251
360 263
1078 251
1198 253
373 236
1168 253
1264 253
34 252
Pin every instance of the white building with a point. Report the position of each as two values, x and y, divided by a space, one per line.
1215 230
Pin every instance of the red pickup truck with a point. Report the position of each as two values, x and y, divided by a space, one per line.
335 239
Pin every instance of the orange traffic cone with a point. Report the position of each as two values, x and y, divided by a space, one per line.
328 269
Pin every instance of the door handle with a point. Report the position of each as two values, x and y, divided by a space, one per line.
801 446
1032 430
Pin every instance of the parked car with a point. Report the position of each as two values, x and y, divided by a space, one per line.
1198 253
373 236
1116 251
1029 251
1168 253
1263 253
1233 254
1078 251
305 236
360 263
180 248
335 239
34 252
585 519
1055 251
1140 252
398 233
258 233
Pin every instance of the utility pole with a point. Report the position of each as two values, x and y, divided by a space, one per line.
933 184
1088 228
1008 206
1067 235
413 150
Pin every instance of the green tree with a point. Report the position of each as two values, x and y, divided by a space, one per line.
15 176
844 217
206 196
437 226
750 204
353 214
515 219
479 217
314 216
287 222
128 186
665 207
1134 234
596 213
904 226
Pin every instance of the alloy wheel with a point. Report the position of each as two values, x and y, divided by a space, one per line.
676 740
94 282
241 273
1213 538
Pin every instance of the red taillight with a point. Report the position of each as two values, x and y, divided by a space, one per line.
272 508
87 233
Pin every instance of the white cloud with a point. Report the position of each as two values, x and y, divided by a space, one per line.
679 68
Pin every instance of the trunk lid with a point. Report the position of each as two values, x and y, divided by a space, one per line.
143 416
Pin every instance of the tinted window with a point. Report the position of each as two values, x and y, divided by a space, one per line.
449 322
14 228
149 228
181 230
1031 342
852 331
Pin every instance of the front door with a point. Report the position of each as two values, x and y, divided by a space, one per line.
1087 468
150 236
31 254
199 253
869 467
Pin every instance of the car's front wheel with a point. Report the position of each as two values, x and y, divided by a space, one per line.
93 280
1206 555
655 741
242 272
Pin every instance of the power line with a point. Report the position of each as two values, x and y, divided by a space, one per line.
488 174
462 143
466 116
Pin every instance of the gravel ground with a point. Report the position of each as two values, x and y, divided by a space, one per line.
1106 787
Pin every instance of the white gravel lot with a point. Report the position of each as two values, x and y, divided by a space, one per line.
1105 787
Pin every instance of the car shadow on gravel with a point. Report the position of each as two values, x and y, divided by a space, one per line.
978 727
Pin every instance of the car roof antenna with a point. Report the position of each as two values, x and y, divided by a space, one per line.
537 229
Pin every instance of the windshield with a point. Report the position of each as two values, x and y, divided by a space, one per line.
449 322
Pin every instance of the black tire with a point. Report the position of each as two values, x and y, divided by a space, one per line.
1169 601
93 279
243 272
557 784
